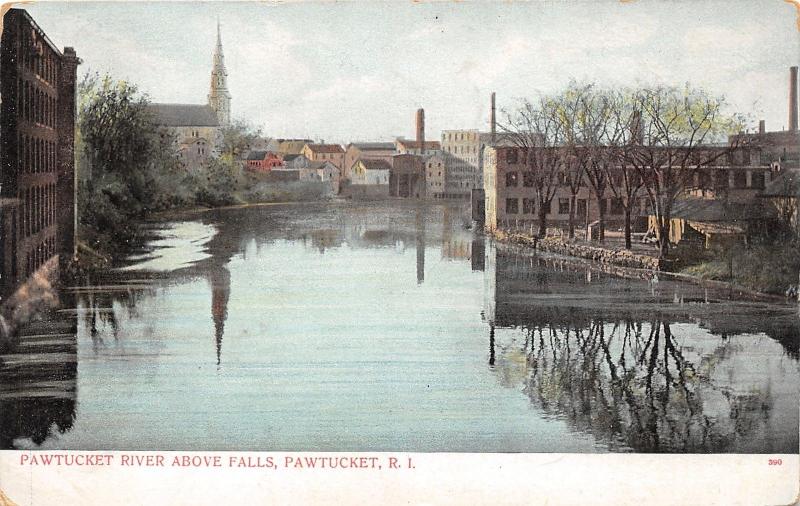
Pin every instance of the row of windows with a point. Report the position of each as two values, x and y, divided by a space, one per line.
36 105
581 207
460 136
38 209
704 179
38 59
39 255
36 155
462 149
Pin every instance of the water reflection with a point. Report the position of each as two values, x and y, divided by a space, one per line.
664 373
339 326
38 382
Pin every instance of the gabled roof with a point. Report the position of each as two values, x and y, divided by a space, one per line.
177 115
289 158
256 155
375 164
325 148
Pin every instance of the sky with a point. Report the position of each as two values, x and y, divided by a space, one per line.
357 71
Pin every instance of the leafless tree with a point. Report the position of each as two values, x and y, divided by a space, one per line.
534 128
677 127
624 180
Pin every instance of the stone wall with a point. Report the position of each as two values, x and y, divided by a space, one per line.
621 258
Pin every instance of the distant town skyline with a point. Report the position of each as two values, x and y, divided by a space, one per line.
358 71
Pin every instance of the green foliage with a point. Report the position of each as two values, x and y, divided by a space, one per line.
767 267
237 137
127 167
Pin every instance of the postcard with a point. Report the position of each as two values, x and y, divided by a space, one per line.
399 253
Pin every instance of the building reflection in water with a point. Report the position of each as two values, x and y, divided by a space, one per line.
38 381
640 372
420 244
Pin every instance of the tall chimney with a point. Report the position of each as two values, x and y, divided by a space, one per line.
762 127
793 99
493 120
637 129
421 130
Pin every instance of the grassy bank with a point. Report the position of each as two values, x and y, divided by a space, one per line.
764 268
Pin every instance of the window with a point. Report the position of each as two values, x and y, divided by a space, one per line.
581 208
563 206
528 179
511 156
721 178
740 179
616 206
528 206
512 206
758 180
511 179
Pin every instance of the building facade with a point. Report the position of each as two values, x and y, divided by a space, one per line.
366 150
37 130
333 153
511 201
407 178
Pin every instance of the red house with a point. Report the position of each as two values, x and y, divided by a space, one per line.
263 161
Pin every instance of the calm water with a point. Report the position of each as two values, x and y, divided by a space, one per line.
392 327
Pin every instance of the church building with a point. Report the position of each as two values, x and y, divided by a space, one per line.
197 127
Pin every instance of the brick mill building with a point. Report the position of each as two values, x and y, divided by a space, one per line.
37 130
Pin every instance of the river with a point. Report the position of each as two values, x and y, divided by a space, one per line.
392 326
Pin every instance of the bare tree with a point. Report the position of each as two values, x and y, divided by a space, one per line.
574 153
535 129
677 127
624 180
599 134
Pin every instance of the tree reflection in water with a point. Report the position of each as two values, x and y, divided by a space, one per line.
657 384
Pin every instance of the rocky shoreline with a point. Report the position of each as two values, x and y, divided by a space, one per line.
621 263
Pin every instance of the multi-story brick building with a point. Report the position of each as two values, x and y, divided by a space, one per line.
37 129
511 199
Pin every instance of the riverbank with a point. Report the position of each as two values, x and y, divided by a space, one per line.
624 264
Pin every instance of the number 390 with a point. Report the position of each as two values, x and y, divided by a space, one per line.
775 462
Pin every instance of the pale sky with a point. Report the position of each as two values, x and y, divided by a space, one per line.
358 71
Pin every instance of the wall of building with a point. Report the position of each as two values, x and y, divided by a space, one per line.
37 125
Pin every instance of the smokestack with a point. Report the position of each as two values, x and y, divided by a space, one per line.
421 130
762 127
637 132
493 120
793 99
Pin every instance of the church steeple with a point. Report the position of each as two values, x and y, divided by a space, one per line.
219 99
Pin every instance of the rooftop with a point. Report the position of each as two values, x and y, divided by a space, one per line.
376 164
176 115
325 148
374 146
256 155
412 144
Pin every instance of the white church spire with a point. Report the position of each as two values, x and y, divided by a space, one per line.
219 99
